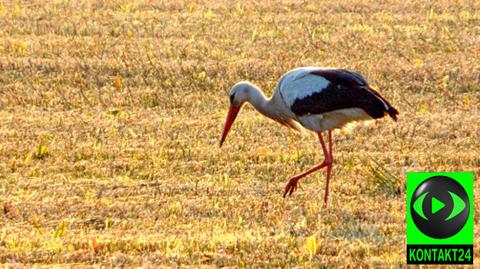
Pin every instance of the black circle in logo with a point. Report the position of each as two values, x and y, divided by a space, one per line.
440 207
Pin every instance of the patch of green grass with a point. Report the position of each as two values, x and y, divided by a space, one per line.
384 181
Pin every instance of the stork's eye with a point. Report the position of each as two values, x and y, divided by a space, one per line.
232 96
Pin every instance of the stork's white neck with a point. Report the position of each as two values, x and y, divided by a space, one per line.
259 101
273 108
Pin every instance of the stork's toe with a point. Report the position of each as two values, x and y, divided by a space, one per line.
291 187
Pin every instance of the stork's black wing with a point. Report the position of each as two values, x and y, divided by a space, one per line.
345 90
341 76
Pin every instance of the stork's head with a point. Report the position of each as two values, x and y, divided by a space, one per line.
238 96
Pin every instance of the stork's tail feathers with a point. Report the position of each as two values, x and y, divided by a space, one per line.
393 112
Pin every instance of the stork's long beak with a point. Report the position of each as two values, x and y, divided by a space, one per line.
232 114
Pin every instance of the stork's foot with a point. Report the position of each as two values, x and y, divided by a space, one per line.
291 186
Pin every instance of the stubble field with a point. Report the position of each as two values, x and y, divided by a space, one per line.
111 112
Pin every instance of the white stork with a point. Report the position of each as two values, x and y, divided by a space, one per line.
319 99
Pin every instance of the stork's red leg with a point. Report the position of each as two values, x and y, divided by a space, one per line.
327 162
329 167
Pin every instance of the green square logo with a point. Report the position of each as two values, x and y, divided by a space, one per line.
440 218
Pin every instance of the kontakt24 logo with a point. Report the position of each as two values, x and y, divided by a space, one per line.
440 218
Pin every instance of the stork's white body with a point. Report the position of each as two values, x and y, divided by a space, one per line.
300 83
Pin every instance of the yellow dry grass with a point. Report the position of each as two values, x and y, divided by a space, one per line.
110 115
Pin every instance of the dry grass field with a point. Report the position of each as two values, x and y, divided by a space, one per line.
111 113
